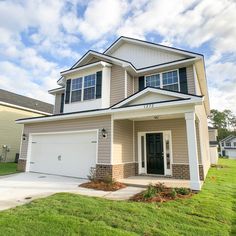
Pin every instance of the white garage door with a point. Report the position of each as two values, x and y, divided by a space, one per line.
68 154
231 154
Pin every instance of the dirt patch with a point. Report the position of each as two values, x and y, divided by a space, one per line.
217 166
100 185
160 193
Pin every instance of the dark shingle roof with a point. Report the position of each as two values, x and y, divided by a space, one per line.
23 101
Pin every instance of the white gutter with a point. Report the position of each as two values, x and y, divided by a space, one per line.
24 108
52 91
63 73
196 101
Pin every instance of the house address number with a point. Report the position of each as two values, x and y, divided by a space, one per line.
148 106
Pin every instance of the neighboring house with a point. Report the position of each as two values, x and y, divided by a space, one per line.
139 108
13 107
213 136
228 146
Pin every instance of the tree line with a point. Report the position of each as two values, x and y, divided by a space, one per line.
224 121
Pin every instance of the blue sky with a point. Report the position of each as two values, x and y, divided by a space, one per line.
41 38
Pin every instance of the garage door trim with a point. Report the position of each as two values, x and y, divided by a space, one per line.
29 149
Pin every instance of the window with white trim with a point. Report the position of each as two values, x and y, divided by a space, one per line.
166 80
76 89
153 80
89 87
228 144
170 80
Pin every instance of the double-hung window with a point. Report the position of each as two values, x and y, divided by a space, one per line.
89 87
166 80
76 90
170 80
153 80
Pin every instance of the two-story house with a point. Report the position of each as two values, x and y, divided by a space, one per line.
228 146
139 108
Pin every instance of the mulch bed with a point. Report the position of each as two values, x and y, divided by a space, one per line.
163 196
100 185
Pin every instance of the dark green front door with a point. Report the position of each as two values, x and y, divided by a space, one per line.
155 160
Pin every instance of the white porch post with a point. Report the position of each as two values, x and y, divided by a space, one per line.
195 183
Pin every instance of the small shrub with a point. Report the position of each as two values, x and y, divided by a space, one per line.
173 193
109 180
150 192
160 187
92 175
183 191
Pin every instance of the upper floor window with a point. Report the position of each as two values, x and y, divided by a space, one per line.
228 144
166 80
76 90
235 144
170 80
89 87
153 80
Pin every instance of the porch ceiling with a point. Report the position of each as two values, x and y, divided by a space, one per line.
159 117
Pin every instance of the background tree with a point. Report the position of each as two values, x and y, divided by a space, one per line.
224 121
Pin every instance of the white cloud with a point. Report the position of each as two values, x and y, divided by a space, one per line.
102 17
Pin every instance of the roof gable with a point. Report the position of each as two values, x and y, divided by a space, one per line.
143 54
154 95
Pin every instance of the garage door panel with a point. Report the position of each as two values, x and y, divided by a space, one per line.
71 154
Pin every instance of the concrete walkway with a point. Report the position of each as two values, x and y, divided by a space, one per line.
22 188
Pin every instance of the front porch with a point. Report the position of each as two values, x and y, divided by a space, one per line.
144 181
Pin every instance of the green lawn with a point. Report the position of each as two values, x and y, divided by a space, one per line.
211 212
7 168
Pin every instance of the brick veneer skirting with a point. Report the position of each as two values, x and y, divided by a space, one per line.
21 165
116 171
181 171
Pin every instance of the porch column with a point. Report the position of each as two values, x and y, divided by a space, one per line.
195 183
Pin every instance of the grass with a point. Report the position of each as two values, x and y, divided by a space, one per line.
7 168
211 212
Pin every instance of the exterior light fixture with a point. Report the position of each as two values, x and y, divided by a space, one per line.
104 133
24 136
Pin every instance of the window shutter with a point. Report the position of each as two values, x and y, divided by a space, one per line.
183 80
68 85
141 83
62 102
99 85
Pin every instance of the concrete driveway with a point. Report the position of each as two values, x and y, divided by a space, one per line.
21 188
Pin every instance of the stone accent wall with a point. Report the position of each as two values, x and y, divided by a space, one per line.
118 171
21 165
181 171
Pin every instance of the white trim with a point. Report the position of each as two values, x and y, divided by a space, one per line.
112 138
30 135
133 140
157 91
126 81
53 91
141 108
24 108
195 182
142 170
102 63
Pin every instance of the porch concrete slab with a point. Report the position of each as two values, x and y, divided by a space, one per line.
144 181
124 194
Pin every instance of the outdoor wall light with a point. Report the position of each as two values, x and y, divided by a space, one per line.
24 136
104 133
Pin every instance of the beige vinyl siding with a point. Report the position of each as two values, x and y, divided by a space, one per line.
130 85
10 132
204 136
57 103
190 79
122 141
100 122
136 85
117 84
198 143
178 132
